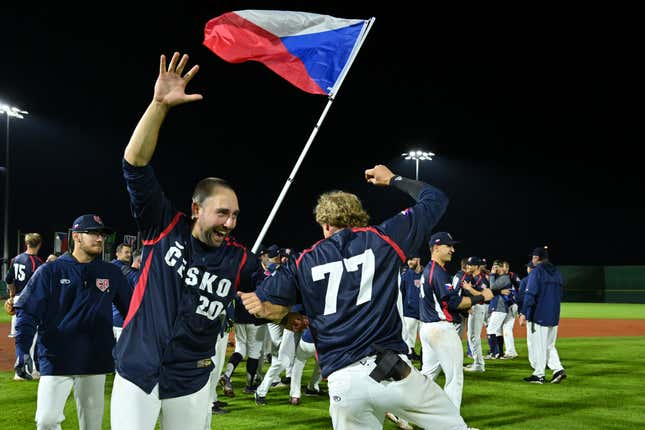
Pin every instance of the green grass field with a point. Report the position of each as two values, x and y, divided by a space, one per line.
603 391
568 310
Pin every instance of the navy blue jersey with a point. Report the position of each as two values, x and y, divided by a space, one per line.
410 283
515 282
71 304
21 269
480 282
178 306
458 280
348 283
439 299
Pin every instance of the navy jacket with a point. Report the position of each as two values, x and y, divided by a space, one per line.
71 305
543 295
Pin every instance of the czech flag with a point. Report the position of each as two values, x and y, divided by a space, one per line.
311 51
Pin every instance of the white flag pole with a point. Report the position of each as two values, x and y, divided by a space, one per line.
332 94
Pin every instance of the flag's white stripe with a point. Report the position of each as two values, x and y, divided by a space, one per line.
288 23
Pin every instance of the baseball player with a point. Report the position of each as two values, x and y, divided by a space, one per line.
439 312
509 321
500 281
131 274
305 350
69 301
191 269
123 256
249 336
410 282
348 286
21 269
520 297
476 316
541 309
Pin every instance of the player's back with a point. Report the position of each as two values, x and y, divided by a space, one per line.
349 286
21 270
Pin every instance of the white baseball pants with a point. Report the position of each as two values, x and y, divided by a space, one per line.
133 409
442 350
53 391
357 402
541 344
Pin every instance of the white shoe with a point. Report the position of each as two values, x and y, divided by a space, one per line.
508 356
400 422
473 368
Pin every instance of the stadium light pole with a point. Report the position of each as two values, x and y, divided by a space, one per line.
10 112
418 156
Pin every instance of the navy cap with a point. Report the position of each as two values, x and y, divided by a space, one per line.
541 252
441 238
273 251
474 261
90 222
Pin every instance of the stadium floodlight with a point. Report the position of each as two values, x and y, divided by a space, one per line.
11 112
418 156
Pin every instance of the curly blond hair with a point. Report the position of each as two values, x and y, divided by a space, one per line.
340 209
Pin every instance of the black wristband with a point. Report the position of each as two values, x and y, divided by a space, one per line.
475 300
409 186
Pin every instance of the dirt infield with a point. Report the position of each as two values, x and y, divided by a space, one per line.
569 327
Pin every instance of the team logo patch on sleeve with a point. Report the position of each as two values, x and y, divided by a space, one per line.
103 284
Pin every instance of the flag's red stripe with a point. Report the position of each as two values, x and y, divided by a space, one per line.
237 40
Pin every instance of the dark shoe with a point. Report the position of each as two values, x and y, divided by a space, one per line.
250 389
260 400
535 379
227 386
216 410
295 401
22 374
220 404
310 392
558 376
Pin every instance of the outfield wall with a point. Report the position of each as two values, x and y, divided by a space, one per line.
605 284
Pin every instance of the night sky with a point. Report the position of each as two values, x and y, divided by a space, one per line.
531 112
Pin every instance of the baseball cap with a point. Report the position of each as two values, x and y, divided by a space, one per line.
273 251
90 222
442 238
474 261
541 252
